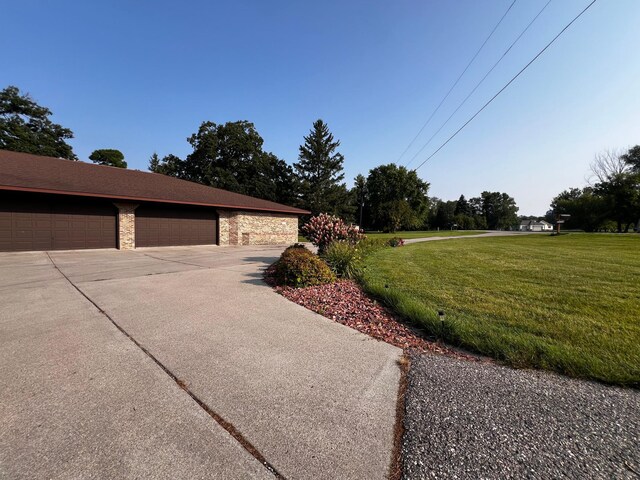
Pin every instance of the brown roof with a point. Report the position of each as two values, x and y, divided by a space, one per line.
35 173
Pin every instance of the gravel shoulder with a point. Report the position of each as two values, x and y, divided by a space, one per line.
480 420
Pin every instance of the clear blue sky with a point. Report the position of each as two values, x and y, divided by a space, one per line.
141 76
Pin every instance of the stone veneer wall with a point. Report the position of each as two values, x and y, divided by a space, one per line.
256 228
126 225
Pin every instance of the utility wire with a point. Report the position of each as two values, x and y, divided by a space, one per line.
478 84
506 86
456 82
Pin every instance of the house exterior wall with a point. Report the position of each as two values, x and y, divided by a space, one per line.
256 228
536 227
126 225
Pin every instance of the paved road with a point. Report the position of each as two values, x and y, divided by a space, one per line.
496 233
181 363
479 420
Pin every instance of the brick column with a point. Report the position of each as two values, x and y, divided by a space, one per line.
126 225
227 227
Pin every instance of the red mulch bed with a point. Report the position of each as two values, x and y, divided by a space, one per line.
345 302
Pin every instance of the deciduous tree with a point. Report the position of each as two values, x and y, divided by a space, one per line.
26 127
616 179
632 158
231 157
397 198
499 209
587 210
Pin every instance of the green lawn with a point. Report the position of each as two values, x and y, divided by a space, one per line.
569 303
416 234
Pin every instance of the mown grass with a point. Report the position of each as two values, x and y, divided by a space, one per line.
416 234
569 304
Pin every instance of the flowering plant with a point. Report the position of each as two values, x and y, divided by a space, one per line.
324 229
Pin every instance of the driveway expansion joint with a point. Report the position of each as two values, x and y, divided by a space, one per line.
173 261
229 427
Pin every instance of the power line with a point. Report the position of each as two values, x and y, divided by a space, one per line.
507 85
478 84
456 82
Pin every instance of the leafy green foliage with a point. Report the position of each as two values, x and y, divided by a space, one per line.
443 214
108 156
613 200
588 211
344 258
371 243
25 127
492 210
395 242
397 198
298 267
566 303
319 171
500 210
621 195
231 157
632 158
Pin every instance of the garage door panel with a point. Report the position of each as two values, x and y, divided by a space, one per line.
46 222
166 226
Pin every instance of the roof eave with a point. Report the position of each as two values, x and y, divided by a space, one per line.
292 211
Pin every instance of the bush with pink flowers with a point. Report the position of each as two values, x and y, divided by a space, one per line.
324 229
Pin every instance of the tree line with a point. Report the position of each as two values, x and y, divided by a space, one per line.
26 127
231 156
611 200
390 198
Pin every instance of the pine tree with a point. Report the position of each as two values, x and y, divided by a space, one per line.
108 156
320 173
463 207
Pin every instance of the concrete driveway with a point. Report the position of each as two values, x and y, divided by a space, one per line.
180 363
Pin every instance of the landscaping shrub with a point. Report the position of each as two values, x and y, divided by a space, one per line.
324 229
296 246
395 242
369 245
343 258
298 267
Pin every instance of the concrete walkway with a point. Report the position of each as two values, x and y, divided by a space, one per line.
181 363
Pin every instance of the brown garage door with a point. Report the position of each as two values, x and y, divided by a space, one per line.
161 226
40 222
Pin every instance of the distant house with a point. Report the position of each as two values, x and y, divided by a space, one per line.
535 226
